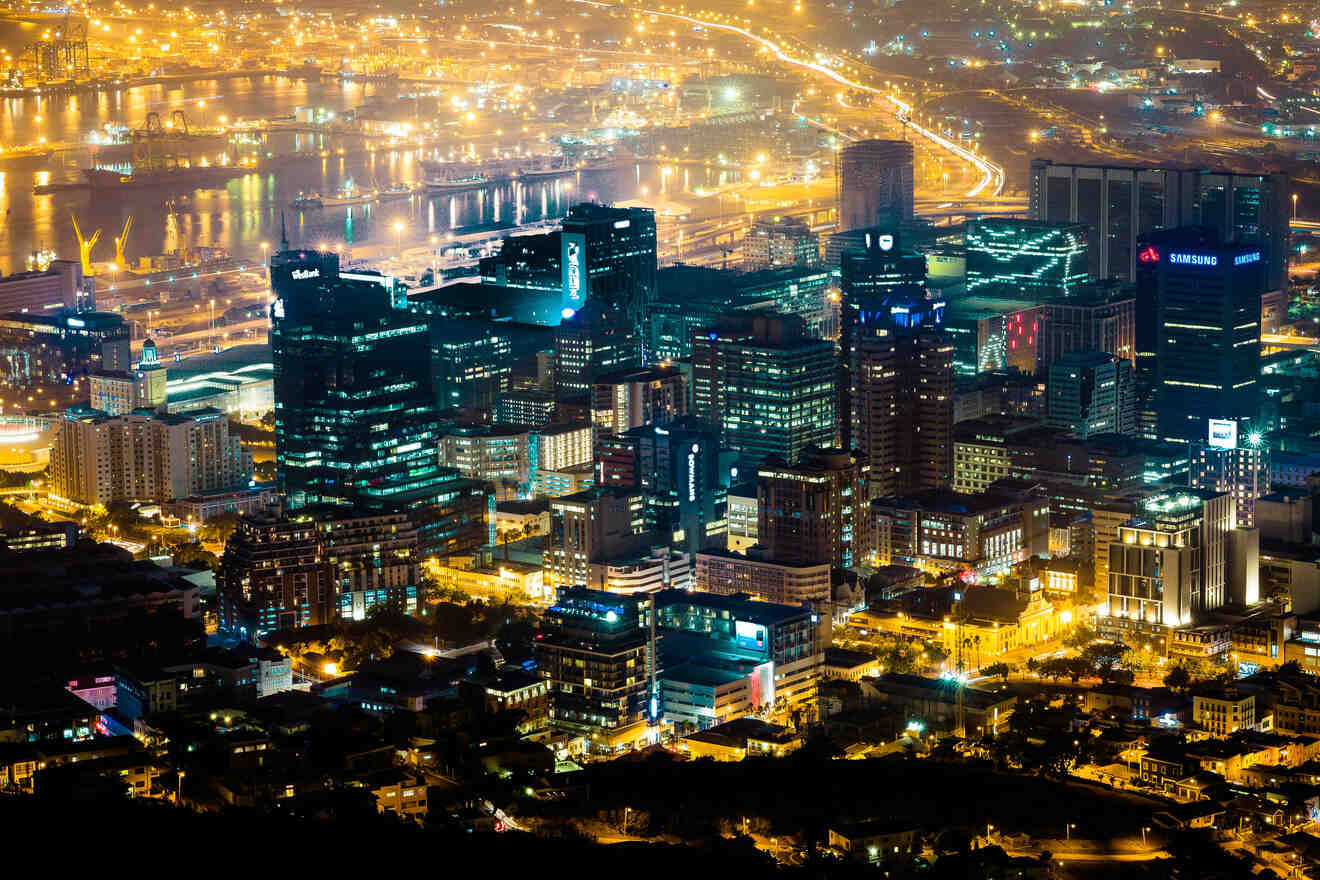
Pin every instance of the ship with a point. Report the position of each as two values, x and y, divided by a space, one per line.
396 191
348 194
456 184
191 177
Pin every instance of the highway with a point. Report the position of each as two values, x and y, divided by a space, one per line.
991 174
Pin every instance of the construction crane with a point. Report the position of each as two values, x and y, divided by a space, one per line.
120 240
85 246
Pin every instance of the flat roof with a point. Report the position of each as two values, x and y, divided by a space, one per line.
695 673
741 608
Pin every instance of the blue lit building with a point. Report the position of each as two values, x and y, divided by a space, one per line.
1208 361
355 402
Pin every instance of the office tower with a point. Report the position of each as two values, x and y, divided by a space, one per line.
816 510
144 456
776 242
608 257
1208 362
524 406
875 183
498 456
685 486
355 402
1123 206
769 388
597 654
470 363
902 408
36 349
590 527
1096 319
1026 258
315 567
1092 392
1177 558
631 398
1233 461
989 532
592 342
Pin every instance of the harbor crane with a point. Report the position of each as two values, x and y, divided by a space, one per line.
85 246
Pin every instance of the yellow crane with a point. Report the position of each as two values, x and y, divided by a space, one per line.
85 246
120 241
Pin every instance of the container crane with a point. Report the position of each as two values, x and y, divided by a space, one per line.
85 246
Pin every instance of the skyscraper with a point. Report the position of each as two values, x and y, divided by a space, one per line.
875 183
817 510
768 387
355 403
1124 206
775 242
608 256
903 397
1092 392
1208 361
592 342
1233 459
1036 259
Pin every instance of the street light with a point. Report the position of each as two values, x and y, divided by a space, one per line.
398 234
1068 832
1294 198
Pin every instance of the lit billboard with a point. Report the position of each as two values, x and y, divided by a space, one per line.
1223 434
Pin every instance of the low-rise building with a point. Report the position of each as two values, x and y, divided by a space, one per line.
741 738
1225 712
786 583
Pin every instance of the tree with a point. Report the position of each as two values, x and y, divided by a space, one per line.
1178 679
1056 668
1104 657
219 528
1081 636
1003 670
1292 667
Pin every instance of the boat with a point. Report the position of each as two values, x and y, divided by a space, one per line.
455 184
349 194
192 177
396 191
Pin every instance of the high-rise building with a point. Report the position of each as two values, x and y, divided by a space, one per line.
1092 392
902 408
589 527
775 242
1208 361
498 456
1029 258
356 419
144 456
524 406
816 510
1179 557
315 567
1093 320
682 477
1123 206
592 342
875 183
608 257
597 654
769 387
470 363
631 398
1235 461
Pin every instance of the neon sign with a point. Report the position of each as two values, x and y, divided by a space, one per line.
304 274
574 266
1148 254
1194 259
1244 259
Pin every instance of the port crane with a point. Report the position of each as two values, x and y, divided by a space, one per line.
120 240
85 246
157 144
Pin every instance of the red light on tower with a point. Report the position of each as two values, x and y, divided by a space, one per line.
1148 254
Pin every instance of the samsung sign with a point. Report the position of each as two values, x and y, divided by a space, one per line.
1245 259
1194 259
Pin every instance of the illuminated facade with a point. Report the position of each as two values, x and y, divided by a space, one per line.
1242 471
775 242
1092 393
1169 563
815 510
1017 257
1208 350
767 385
945 532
